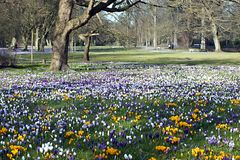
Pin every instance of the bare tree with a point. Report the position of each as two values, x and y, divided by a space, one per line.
65 24
24 16
209 19
87 33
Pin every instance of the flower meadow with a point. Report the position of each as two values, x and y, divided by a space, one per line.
141 112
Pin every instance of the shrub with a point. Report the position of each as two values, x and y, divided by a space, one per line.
6 58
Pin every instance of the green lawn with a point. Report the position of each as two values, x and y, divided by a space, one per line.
144 56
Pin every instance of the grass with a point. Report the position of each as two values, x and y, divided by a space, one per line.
143 56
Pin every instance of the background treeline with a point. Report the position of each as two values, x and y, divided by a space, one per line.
207 24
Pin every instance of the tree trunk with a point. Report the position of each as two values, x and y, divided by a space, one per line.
128 28
140 38
25 43
189 35
175 33
72 44
32 34
203 40
215 37
155 28
13 43
146 40
42 44
49 43
86 56
175 41
60 54
43 38
37 45
214 31
65 56
61 37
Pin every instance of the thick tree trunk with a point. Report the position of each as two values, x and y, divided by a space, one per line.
86 56
60 54
216 38
65 56
61 37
